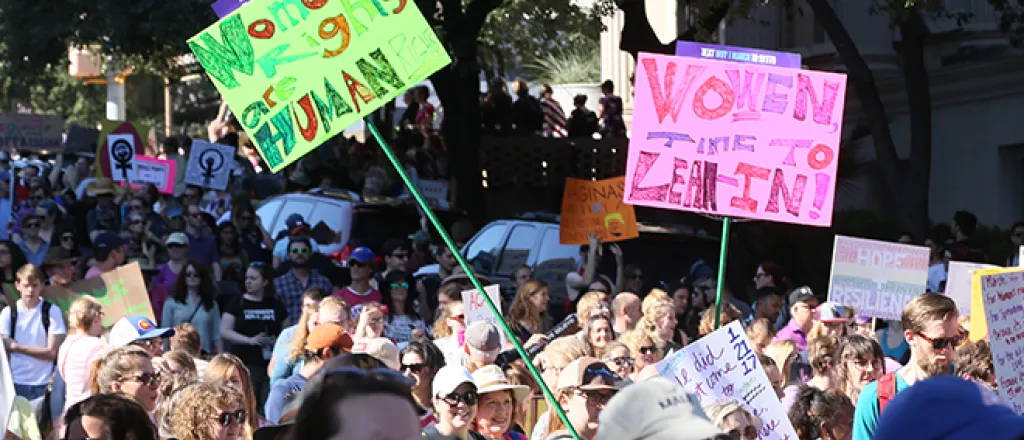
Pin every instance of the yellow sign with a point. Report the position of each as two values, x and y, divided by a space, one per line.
297 72
596 207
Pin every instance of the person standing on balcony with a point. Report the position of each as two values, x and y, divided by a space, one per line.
554 116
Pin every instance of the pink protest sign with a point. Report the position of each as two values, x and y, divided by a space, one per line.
159 172
732 139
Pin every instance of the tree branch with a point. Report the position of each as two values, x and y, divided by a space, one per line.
477 11
709 23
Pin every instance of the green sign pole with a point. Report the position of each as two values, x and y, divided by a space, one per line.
552 401
722 252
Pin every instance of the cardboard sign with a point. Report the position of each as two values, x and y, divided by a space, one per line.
81 140
121 292
433 189
978 321
159 172
209 165
734 139
877 278
6 389
118 144
31 132
1003 294
958 283
300 73
738 54
596 206
475 307
722 366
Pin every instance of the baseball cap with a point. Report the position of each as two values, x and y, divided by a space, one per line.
381 348
295 221
483 336
587 373
133 328
328 335
965 410
801 294
830 312
363 255
655 409
177 238
106 242
448 378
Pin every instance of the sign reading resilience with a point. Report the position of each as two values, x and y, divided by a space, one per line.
297 72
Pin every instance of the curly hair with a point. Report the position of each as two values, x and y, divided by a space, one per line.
171 383
975 361
197 405
814 407
821 352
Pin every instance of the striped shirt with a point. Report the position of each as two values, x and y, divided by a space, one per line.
554 118
76 355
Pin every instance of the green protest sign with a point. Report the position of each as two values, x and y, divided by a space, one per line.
297 72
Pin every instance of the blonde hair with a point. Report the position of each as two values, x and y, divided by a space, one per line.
718 411
564 350
198 405
220 369
588 302
334 304
522 309
611 346
636 338
29 273
655 307
302 328
760 327
440 329
707 322
83 312
925 309
112 368
821 352
781 352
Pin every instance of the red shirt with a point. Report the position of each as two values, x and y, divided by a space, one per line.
355 300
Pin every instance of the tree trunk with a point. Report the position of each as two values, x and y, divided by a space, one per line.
915 77
864 86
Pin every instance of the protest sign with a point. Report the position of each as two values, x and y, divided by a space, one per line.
121 292
300 73
877 278
722 366
978 322
159 172
81 140
596 207
209 165
31 132
1003 294
117 146
732 139
738 54
958 283
475 308
7 392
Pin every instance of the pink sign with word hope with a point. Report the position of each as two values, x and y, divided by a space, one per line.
732 139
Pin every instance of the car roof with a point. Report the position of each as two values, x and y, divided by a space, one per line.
643 226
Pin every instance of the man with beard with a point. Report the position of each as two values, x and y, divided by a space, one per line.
931 330
299 277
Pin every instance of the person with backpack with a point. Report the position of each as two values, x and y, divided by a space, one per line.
32 329
931 330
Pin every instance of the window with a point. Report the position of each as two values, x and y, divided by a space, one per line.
517 249
482 251
554 261
268 212
291 206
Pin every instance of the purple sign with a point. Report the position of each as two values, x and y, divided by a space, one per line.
225 7
737 54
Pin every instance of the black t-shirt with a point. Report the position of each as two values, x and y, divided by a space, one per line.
253 318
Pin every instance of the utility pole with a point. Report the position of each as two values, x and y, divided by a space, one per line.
115 90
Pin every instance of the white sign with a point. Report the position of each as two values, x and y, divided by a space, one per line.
722 367
475 307
877 278
958 283
209 165
6 390
122 156
1003 294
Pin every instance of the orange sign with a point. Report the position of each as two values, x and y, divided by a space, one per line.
596 207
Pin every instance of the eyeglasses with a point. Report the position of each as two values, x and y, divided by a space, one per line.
648 349
469 398
622 361
402 285
595 398
148 379
415 368
299 251
227 418
400 256
942 343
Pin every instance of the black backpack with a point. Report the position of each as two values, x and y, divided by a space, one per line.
45 318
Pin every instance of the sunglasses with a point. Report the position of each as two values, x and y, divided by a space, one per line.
227 418
415 368
460 318
942 343
623 361
402 285
299 251
748 433
595 398
648 349
148 379
67 238
469 398
357 263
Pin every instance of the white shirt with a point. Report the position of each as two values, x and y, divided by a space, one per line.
936 275
25 369
453 354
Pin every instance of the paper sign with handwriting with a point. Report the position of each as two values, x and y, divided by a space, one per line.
475 308
1003 294
733 139
721 367
35 132
159 172
877 278
596 207
958 283
299 72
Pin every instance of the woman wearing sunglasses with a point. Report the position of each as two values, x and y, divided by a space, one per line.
420 362
127 371
735 421
455 400
644 349
402 324
209 411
